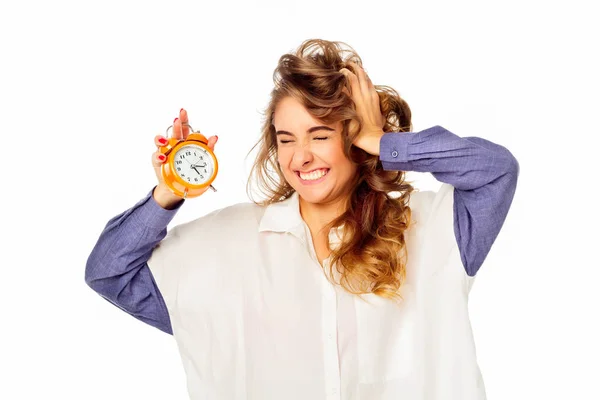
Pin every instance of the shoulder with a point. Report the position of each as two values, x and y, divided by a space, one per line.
239 216
218 229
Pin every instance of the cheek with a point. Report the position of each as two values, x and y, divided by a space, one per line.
279 156
283 159
344 166
335 156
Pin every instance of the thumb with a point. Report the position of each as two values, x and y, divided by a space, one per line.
212 141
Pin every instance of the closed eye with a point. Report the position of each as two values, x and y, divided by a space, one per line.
317 138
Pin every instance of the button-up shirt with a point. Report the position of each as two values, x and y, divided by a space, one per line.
255 316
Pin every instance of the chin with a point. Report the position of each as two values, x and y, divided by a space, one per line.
312 196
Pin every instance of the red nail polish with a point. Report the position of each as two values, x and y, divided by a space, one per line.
162 141
181 110
162 157
175 120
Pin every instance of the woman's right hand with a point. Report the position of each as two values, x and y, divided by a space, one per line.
162 193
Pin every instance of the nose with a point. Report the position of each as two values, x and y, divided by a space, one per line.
302 156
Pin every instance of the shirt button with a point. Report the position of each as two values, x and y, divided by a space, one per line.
394 153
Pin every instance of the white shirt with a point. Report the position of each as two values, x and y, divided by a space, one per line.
255 317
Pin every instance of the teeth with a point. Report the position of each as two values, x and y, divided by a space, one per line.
313 175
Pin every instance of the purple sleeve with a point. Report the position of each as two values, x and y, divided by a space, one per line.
117 267
483 174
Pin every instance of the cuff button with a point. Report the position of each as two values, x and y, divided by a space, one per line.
394 153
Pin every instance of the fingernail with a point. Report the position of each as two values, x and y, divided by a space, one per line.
181 110
175 120
162 157
162 141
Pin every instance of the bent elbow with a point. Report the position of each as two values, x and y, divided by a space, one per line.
92 275
513 166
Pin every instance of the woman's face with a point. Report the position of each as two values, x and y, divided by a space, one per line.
310 154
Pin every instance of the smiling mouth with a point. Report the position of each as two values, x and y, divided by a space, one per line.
318 175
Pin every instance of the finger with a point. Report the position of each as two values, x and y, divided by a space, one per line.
212 141
160 140
362 79
185 129
366 85
354 85
177 129
158 159
370 84
373 91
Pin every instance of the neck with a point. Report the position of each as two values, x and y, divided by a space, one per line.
317 216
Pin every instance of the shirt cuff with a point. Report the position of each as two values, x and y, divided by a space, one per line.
393 147
152 215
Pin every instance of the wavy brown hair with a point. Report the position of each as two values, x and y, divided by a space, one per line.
372 255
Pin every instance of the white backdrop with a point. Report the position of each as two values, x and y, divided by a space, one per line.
85 86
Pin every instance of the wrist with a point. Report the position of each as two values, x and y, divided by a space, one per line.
166 198
375 142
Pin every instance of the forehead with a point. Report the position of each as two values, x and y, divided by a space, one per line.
290 111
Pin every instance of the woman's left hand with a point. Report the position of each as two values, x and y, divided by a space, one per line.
366 99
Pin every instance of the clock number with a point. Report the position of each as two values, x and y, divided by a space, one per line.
188 153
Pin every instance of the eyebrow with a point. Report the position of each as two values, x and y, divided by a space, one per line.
311 130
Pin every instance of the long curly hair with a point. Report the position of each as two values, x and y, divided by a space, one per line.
372 254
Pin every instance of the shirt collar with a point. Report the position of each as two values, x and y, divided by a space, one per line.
284 216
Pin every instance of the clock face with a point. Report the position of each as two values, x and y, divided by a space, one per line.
193 164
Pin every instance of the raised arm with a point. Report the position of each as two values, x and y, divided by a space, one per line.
484 176
117 267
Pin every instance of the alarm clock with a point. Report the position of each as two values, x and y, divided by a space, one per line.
190 166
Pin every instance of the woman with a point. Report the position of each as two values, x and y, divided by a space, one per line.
333 287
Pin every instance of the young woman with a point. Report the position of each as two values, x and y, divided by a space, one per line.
344 282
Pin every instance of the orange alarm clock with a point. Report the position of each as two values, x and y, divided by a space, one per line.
190 166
